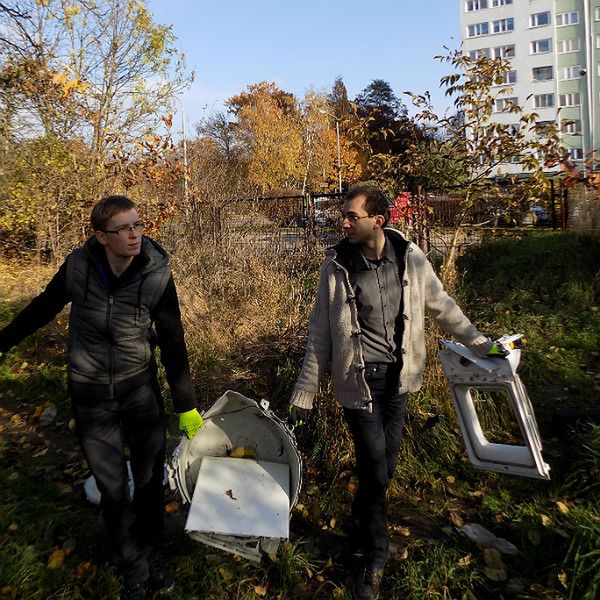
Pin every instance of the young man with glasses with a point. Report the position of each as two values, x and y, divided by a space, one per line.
368 325
123 299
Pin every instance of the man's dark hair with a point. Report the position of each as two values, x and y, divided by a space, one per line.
107 207
376 202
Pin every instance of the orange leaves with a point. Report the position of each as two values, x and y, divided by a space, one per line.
57 557
172 507
85 570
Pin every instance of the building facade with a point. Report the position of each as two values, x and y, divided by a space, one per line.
554 50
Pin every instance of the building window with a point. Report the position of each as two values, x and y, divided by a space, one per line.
501 2
597 9
575 153
567 18
543 101
475 54
598 41
572 99
571 72
472 5
505 51
539 19
542 73
478 29
503 25
508 78
572 126
571 45
505 104
541 46
543 127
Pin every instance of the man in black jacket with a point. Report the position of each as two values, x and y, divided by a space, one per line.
120 288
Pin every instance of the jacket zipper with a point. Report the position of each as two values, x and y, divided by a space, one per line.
111 351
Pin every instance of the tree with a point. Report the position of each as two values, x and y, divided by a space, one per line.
221 130
83 87
320 145
338 100
481 148
125 66
388 133
268 128
378 100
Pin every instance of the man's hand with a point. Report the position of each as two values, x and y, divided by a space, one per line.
496 351
190 422
297 416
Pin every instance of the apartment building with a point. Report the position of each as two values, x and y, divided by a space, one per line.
554 50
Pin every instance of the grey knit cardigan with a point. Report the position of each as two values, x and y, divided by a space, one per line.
334 337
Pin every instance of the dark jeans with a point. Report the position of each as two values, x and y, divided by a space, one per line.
104 428
377 436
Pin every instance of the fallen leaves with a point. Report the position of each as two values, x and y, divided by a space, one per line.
261 590
226 573
398 552
57 558
493 558
243 452
85 570
456 519
465 560
173 506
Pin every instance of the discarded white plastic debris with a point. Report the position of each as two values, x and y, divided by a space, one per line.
205 474
48 415
92 493
239 496
486 539
465 371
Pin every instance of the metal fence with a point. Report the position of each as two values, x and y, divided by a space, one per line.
289 223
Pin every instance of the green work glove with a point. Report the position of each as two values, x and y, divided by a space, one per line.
190 422
496 351
297 416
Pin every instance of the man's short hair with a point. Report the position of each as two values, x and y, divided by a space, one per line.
376 201
108 207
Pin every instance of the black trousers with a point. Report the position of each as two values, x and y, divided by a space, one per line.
377 437
104 428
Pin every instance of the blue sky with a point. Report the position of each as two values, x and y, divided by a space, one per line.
303 44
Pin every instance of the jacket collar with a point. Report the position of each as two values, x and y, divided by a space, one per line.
152 256
348 256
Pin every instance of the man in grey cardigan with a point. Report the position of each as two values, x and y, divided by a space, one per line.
368 326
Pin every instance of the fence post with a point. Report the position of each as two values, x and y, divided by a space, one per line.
565 209
311 225
553 203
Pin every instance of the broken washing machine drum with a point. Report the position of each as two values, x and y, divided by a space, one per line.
241 475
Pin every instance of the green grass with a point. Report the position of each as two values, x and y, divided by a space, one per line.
544 285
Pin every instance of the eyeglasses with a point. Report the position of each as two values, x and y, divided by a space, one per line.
352 218
126 229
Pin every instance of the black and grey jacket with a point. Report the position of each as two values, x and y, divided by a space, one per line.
334 335
110 324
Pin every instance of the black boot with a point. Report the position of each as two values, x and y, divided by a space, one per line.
161 581
134 591
366 587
